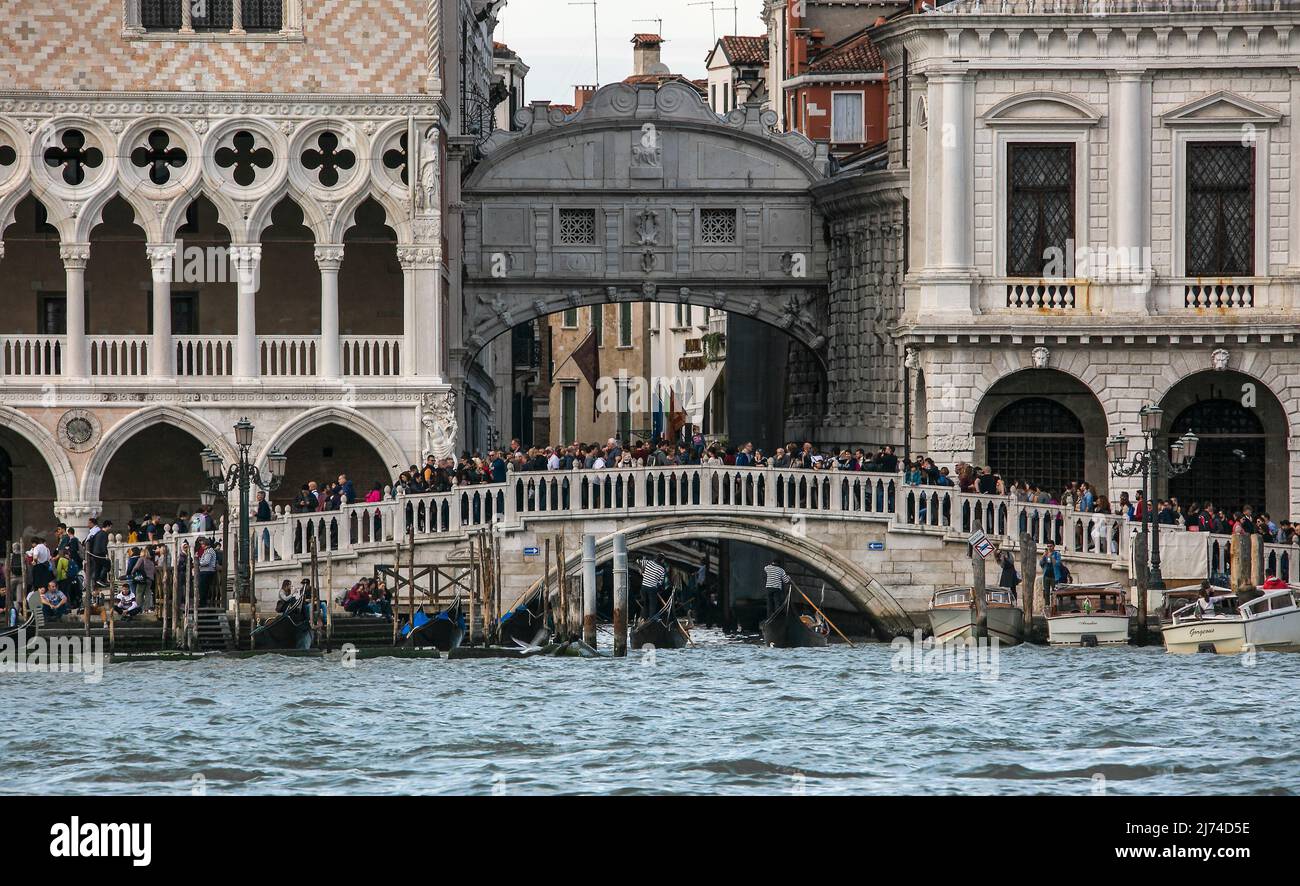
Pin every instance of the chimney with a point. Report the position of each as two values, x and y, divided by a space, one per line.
582 95
645 53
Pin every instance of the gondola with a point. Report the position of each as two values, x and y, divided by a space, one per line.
663 631
290 629
787 629
525 625
27 628
444 631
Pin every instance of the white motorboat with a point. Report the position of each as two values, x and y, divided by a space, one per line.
1272 622
953 615
1088 615
1204 626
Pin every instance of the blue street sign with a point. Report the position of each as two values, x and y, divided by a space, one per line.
875 546
532 552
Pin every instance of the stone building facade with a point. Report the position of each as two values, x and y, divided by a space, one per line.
1081 210
233 214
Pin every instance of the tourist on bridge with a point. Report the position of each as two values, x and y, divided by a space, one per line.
38 558
778 581
207 555
653 577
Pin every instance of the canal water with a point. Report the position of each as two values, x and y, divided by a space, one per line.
725 717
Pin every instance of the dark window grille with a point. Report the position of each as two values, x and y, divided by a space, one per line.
217 15
1037 440
1040 207
162 15
263 15
1230 455
1220 211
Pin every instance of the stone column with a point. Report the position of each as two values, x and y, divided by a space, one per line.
76 357
246 258
956 194
330 258
1130 171
237 17
161 357
425 312
187 18
406 256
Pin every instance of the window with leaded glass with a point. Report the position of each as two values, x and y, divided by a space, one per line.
1220 209
577 227
1039 440
263 15
162 15
1040 207
214 15
718 226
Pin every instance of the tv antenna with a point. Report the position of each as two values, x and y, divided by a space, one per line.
595 30
714 9
659 24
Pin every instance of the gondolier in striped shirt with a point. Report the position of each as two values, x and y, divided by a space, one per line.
653 575
777 582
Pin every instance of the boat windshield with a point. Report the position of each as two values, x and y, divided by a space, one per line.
1082 602
1273 602
1224 606
953 597
999 597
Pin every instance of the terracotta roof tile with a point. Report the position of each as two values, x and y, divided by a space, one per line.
746 50
647 38
855 55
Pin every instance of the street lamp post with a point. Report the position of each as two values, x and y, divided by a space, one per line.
1149 462
242 476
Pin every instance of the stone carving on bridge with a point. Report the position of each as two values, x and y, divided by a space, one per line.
438 418
911 359
647 261
953 443
647 228
1219 359
1040 357
646 152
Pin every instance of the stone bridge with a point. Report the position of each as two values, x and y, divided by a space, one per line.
886 546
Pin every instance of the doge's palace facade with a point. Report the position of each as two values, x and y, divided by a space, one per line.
215 210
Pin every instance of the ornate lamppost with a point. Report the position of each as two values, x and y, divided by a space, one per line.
1149 462
242 475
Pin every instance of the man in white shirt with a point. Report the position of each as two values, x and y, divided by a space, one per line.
42 573
553 461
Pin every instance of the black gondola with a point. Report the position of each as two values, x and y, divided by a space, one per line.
786 629
444 631
27 628
663 631
290 629
524 625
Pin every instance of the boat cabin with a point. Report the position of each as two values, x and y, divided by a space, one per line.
1279 600
1000 597
953 598
1225 605
1073 599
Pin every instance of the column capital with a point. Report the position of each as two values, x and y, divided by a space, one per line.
161 258
77 513
75 255
415 257
246 256
329 256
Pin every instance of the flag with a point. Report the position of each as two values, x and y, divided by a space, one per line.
587 358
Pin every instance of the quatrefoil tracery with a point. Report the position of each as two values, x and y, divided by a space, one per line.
74 157
244 157
328 159
159 158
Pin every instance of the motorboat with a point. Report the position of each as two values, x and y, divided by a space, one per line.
1211 624
1089 615
1272 622
953 616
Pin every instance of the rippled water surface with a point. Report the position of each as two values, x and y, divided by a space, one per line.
721 718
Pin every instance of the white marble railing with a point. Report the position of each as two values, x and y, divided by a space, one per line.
31 355
288 355
204 355
372 356
119 355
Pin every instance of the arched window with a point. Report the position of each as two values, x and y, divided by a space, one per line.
1037 440
1230 458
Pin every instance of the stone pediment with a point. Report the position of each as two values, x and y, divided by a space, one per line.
1220 108
1042 109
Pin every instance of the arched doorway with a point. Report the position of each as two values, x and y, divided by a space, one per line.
1038 440
158 470
1242 456
27 490
325 452
1043 427
1230 457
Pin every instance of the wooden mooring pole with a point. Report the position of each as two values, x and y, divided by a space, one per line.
589 590
978 581
1028 569
620 595
546 589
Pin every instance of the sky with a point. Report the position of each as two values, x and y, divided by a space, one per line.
556 40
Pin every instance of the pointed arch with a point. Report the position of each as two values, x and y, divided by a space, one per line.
394 214
138 421
312 215
382 441
56 458
227 214
92 215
